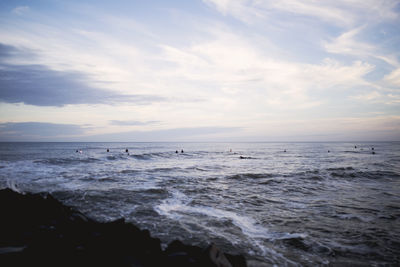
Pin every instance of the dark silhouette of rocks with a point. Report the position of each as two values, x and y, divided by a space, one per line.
38 230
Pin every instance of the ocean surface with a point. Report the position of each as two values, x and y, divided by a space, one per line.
284 204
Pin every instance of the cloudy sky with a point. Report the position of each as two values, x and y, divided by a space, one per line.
211 70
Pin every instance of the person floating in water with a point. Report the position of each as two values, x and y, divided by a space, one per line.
182 151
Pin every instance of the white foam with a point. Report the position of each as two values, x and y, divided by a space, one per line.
13 186
170 206
178 205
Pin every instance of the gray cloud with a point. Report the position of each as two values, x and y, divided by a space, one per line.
42 131
9 52
41 86
175 134
37 131
132 123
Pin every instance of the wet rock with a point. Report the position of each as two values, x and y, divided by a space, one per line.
38 230
218 257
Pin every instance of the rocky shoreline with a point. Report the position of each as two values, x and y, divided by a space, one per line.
38 230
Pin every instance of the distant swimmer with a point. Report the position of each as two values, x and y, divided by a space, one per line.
108 150
373 152
372 148
329 151
355 146
284 150
182 151
80 151
77 151
126 150
176 151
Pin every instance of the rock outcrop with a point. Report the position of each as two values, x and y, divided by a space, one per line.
38 230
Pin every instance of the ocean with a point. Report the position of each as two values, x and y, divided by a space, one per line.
284 204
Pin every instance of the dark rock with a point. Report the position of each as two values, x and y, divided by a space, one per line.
38 230
180 254
218 257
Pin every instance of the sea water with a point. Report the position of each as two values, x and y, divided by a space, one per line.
285 204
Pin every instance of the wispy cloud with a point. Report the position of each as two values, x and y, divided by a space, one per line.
133 123
393 99
347 44
343 13
374 95
20 10
393 78
274 82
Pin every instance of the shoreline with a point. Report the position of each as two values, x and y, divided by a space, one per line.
37 229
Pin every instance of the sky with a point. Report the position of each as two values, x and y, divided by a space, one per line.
200 70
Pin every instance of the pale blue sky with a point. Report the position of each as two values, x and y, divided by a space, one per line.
211 70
